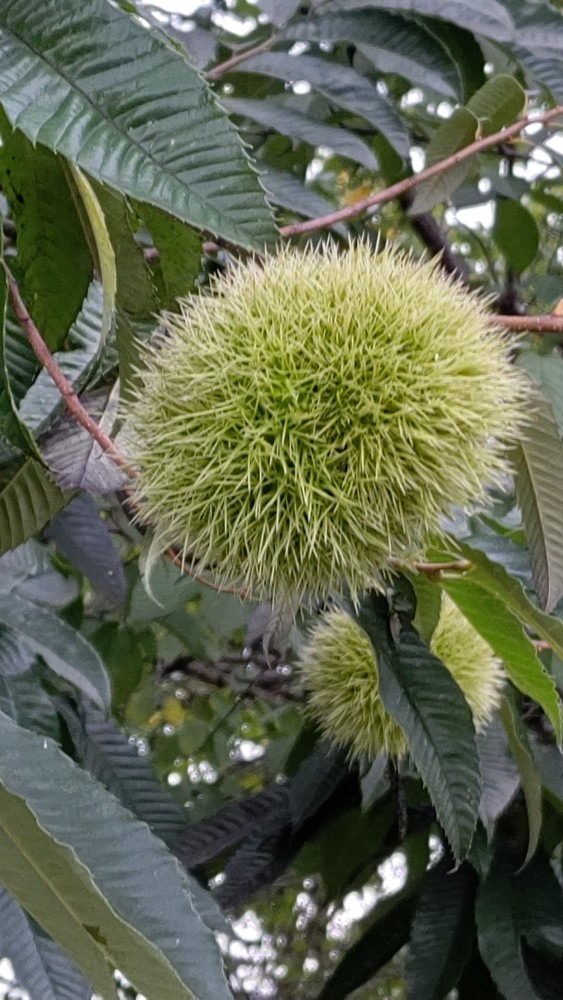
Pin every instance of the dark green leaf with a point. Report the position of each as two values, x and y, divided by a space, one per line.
303 127
27 504
24 699
85 540
136 293
499 774
64 650
287 191
129 122
39 965
421 695
547 372
442 931
499 938
393 43
103 750
539 480
493 22
179 254
54 264
341 85
516 234
316 780
101 884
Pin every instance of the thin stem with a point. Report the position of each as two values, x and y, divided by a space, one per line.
401 187
225 67
550 323
47 361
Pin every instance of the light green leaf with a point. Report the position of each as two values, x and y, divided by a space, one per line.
96 879
135 292
64 649
393 43
421 695
144 123
529 777
503 631
27 504
341 85
179 255
497 103
287 121
538 461
516 234
492 21
495 580
454 134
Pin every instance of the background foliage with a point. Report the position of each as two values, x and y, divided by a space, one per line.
170 825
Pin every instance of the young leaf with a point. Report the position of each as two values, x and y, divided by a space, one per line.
494 579
27 504
341 85
422 696
64 650
539 477
130 122
516 234
501 628
85 540
100 883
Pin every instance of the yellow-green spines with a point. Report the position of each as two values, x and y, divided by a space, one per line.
316 415
340 674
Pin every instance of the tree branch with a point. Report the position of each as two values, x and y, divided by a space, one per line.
47 361
550 323
402 187
225 67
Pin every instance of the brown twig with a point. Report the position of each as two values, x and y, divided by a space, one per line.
550 323
225 67
401 187
47 361
458 566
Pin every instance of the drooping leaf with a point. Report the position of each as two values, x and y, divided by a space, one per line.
547 371
15 655
85 540
257 863
516 234
539 477
493 578
39 964
103 750
499 775
393 43
385 932
101 884
24 700
75 459
454 134
27 504
442 931
341 85
233 822
64 649
54 265
12 430
421 695
494 21
529 777
130 122
300 126
316 780
135 291
503 631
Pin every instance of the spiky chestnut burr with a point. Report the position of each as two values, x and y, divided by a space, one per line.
316 416
339 670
